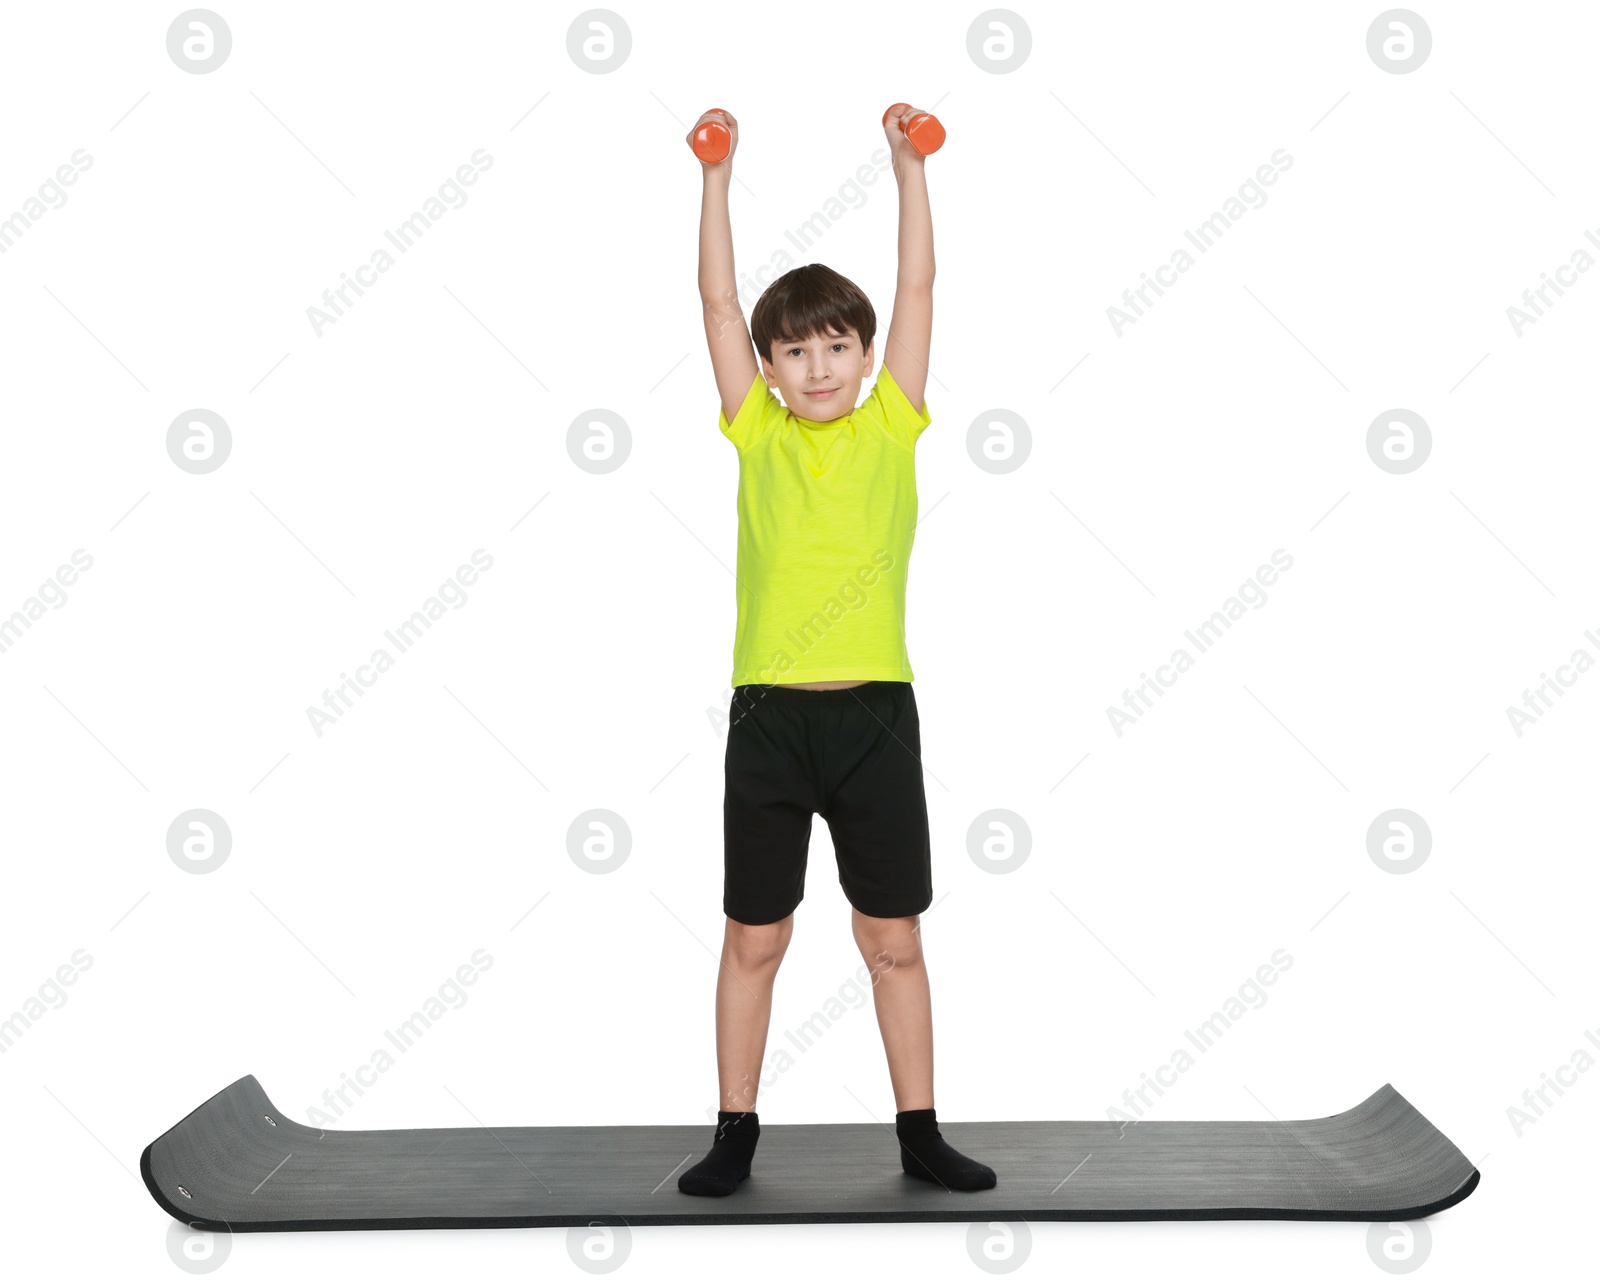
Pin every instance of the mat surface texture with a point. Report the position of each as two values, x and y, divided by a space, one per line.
238 1163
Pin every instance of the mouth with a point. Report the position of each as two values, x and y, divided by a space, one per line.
820 393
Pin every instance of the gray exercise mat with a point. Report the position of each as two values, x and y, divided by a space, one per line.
237 1163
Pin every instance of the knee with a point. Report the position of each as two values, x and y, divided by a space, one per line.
887 944
756 946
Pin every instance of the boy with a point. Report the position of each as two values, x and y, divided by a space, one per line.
823 718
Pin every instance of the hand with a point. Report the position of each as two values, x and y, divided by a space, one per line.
725 118
900 149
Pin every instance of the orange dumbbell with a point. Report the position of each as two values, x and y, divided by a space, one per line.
712 140
921 129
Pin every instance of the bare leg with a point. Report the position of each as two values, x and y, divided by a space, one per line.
892 949
751 954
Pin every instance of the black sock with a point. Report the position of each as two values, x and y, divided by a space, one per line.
925 1154
727 1164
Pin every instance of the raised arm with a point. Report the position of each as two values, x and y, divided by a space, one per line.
733 359
910 337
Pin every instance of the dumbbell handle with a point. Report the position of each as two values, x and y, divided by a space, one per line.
712 140
922 129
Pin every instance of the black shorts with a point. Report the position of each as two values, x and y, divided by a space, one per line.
854 755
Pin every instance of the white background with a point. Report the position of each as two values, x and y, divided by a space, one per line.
589 667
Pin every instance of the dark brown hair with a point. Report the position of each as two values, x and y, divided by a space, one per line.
811 299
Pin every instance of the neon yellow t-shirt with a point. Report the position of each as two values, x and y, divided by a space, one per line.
827 513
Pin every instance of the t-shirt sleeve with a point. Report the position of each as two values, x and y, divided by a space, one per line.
891 411
754 416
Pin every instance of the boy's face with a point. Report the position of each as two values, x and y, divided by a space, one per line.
836 363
